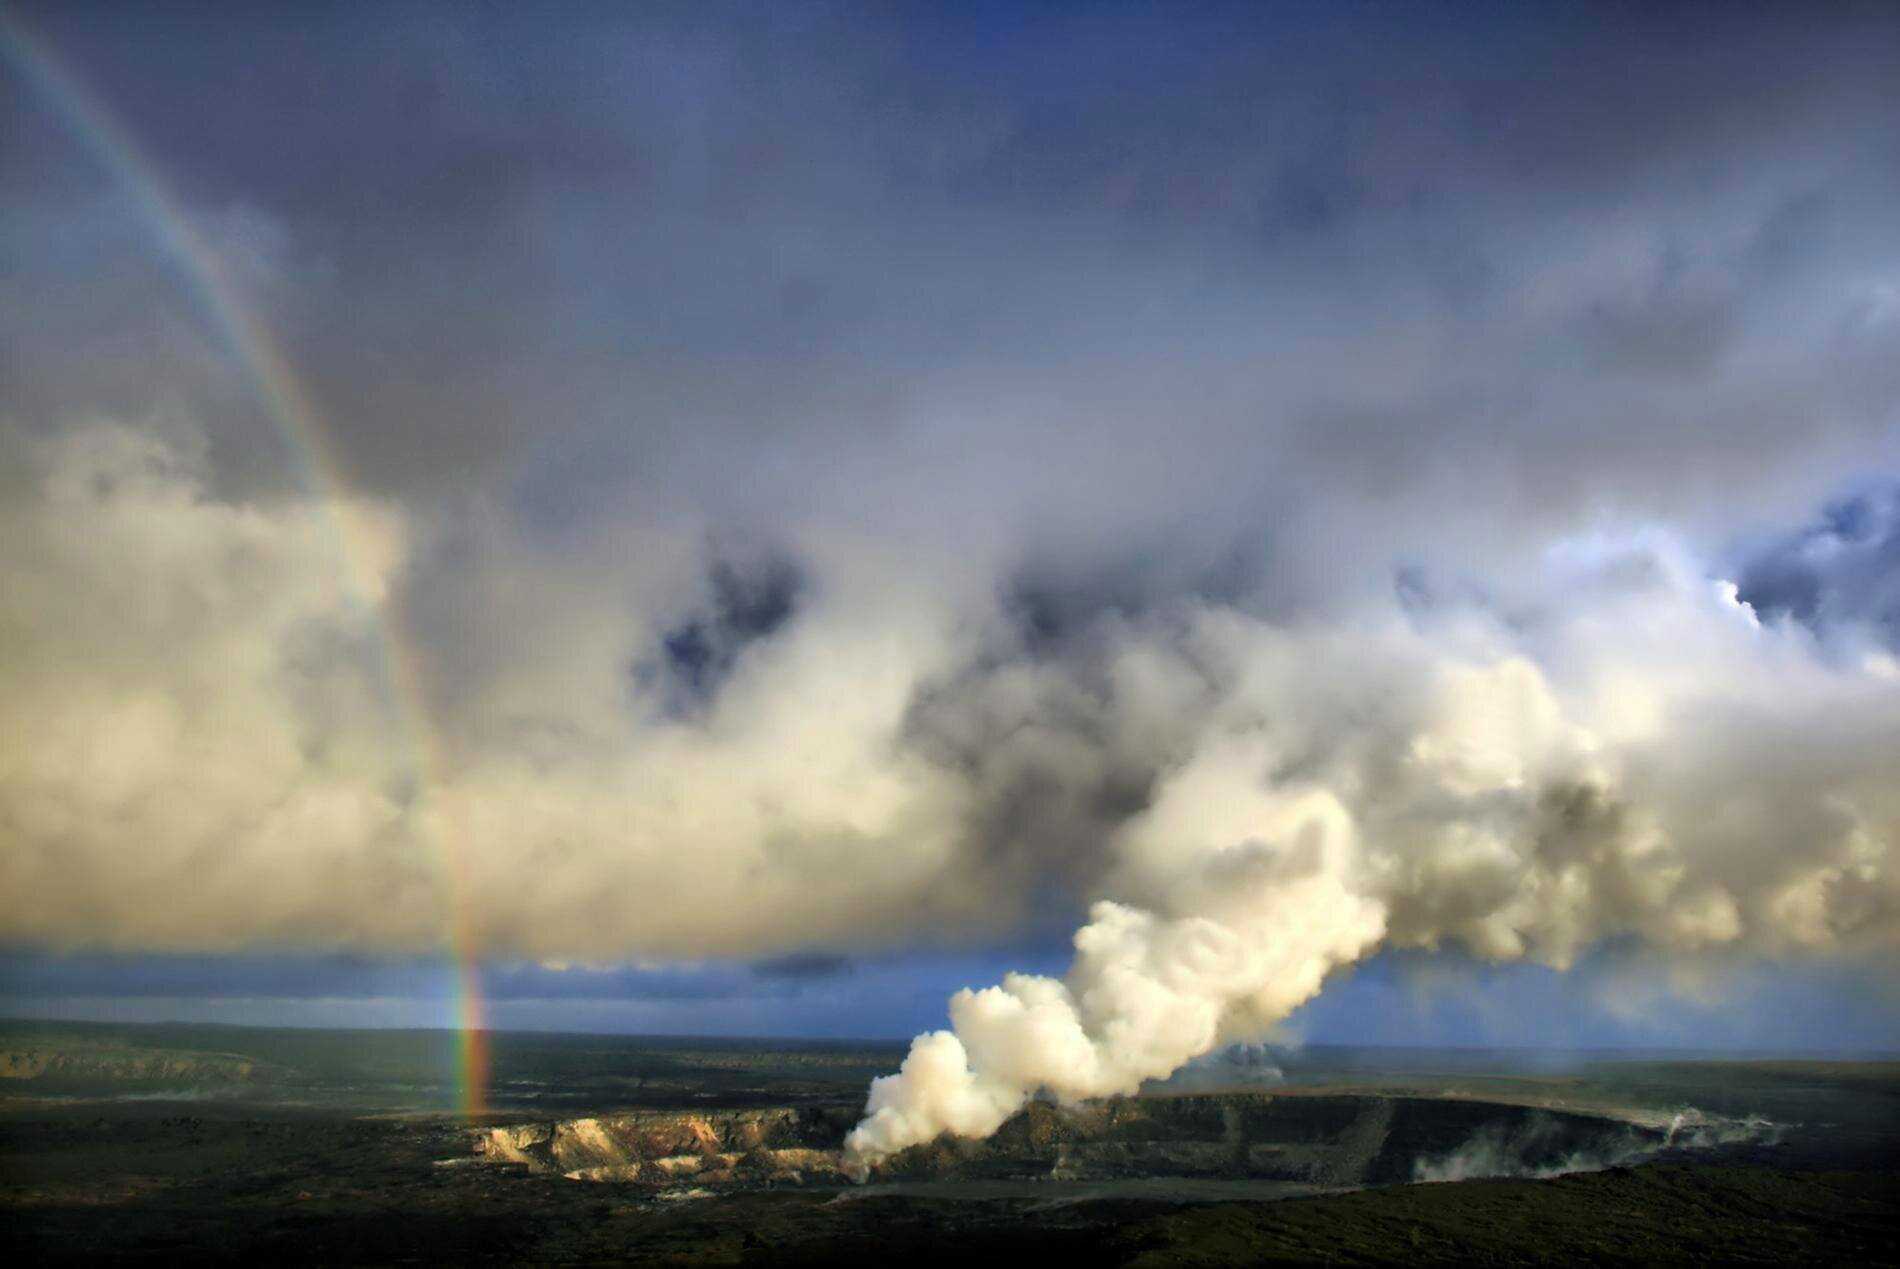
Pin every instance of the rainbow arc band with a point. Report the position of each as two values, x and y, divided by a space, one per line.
284 400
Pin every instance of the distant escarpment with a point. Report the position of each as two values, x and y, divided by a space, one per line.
69 1067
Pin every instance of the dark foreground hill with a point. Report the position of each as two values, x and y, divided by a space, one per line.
317 1192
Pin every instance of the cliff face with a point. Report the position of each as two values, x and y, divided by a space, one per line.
785 1145
1317 1140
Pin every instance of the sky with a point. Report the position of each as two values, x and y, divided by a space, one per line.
748 519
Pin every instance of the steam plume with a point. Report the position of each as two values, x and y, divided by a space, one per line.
1609 772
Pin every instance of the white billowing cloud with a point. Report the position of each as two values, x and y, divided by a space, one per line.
1652 764
210 741
188 686
789 814
1261 924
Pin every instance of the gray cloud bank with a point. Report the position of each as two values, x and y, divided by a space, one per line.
1259 490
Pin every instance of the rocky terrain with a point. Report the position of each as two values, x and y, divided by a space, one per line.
337 1150
1325 1142
159 1187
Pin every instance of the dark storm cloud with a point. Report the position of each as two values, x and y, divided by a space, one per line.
520 981
672 254
28 976
802 966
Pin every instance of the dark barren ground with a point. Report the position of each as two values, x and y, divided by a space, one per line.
168 1144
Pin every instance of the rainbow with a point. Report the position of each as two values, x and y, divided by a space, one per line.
321 472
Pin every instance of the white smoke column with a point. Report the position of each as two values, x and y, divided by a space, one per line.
1147 992
1649 761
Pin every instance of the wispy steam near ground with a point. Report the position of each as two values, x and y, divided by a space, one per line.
1539 1148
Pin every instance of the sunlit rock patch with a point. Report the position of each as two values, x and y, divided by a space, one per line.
758 1147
